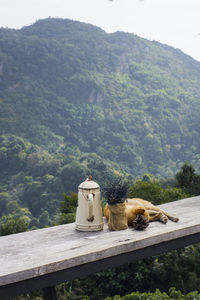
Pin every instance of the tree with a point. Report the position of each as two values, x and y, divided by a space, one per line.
3 203
44 219
68 208
72 175
153 192
10 224
69 203
188 180
13 207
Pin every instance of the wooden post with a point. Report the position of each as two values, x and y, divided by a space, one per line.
50 293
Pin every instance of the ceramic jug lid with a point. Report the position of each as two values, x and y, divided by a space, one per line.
88 184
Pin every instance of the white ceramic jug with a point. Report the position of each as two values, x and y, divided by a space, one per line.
89 211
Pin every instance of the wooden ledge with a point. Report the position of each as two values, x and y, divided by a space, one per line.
45 257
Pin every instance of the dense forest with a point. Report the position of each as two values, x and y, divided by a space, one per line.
127 99
76 101
32 181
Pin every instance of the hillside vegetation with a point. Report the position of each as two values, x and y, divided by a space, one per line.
70 86
32 181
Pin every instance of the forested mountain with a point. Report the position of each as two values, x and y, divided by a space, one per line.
127 99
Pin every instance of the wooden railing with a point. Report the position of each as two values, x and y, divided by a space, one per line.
43 258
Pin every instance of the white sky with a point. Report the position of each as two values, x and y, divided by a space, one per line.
172 22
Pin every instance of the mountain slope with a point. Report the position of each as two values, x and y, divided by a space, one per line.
129 100
37 180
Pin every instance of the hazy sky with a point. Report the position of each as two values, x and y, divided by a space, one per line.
172 22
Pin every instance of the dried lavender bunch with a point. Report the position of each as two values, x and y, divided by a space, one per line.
115 191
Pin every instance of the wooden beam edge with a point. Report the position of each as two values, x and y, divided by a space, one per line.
83 270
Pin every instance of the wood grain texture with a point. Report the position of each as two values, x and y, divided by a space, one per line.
39 252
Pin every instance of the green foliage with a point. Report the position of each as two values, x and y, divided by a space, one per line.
188 180
13 207
68 208
69 203
10 224
66 218
157 295
44 219
38 183
131 101
153 192
3 203
67 291
73 173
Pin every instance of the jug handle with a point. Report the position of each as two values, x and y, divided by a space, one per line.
90 198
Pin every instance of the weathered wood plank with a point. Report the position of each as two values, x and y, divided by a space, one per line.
45 281
31 254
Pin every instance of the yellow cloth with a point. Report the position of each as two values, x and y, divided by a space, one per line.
117 219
